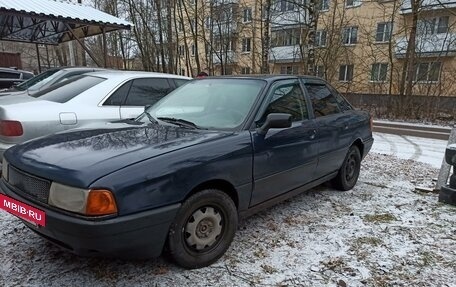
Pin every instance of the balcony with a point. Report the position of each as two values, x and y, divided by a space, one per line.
221 2
228 57
406 7
288 18
285 54
437 45
226 28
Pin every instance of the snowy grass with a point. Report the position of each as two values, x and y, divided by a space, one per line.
381 233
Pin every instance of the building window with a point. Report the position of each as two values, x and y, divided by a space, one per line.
350 35
323 5
226 15
288 37
246 45
181 50
379 72
193 24
320 71
180 26
289 70
264 12
428 72
247 16
193 50
245 70
346 73
431 26
285 5
224 44
352 3
320 38
383 32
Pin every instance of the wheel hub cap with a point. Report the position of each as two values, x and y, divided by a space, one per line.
203 228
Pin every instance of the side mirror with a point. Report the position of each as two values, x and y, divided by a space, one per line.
275 121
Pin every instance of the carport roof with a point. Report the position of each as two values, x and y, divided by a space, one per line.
53 22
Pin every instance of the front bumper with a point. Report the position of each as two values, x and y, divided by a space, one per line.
3 148
137 236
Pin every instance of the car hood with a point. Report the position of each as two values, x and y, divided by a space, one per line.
80 157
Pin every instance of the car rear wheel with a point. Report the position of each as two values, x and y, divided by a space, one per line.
349 172
203 229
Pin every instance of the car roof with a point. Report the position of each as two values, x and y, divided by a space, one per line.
69 68
134 74
14 70
266 77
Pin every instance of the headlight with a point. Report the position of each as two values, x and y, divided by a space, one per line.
83 201
5 169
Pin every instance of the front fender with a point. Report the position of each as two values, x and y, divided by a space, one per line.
168 179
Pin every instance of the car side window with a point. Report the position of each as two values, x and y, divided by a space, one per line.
144 92
8 75
286 98
343 103
323 101
180 82
118 97
27 76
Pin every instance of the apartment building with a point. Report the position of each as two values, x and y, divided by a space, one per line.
359 46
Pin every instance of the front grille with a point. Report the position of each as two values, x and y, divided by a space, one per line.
31 186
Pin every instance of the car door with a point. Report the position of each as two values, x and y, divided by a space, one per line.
143 92
284 159
334 135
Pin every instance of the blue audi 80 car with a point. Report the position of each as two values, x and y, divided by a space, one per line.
179 177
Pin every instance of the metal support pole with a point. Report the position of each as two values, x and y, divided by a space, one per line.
38 58
105 48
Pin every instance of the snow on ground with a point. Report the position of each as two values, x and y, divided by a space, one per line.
381 233
424 150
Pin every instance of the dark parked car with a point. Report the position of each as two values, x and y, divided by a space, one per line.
11 77
46 79
182 173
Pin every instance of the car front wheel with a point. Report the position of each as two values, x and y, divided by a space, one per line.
203 229
349 172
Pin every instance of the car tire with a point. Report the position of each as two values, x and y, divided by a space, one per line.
203 229
349 171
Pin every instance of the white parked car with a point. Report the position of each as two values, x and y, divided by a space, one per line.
82 100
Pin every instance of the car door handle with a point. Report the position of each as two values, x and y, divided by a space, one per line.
313 133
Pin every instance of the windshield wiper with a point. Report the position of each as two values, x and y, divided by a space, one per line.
150 117
180 122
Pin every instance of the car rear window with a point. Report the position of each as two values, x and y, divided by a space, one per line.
38 81
65 91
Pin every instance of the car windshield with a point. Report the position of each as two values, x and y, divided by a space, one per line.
208 103
36 82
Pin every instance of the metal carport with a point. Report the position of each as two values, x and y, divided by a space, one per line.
54 22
